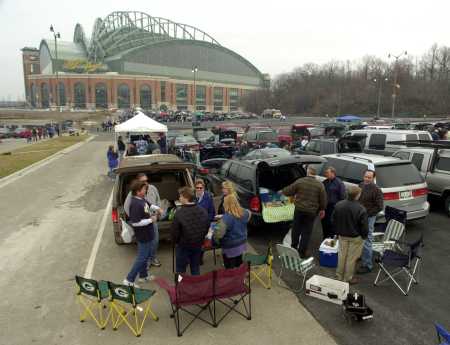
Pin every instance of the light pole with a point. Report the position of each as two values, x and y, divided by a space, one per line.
195 70
380 92
395 86
56 35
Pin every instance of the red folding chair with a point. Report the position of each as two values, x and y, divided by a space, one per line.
232 283
190 291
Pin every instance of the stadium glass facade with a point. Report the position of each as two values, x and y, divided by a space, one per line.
135 60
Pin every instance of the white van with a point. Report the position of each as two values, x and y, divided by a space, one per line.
376 141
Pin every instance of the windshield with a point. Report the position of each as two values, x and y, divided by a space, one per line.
186 140
397 175
267 136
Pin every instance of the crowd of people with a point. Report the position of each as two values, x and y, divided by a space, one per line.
350 216
194 222
36 134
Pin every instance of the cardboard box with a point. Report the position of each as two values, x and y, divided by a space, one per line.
327 289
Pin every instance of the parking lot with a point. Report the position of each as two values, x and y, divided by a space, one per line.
53 217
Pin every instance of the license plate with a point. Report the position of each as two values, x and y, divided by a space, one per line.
406 194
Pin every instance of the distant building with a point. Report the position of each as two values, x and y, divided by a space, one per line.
135 60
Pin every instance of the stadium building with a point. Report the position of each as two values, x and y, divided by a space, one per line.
135 60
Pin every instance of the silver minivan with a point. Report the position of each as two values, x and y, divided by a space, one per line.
402 184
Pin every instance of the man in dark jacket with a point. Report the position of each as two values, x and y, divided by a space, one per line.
335 192
350 223
189 228
310 200
372 199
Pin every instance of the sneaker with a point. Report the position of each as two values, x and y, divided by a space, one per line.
363 270
146 279
127 283
155 262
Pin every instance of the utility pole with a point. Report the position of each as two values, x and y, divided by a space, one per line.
56 35
380 93
195 70
395 86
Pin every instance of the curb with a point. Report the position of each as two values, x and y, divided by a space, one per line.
25 171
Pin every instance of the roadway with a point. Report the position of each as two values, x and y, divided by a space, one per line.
56 224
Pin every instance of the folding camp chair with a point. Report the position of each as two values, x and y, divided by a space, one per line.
189 291
90 296
229 284
388 239
401 262
120 296
290 260
261 267
442 334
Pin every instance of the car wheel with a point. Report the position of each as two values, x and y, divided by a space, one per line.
118 238
447 205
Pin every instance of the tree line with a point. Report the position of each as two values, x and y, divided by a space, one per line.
362 87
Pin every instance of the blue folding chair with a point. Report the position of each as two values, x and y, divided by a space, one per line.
442 334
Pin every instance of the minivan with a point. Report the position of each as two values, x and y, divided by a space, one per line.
376 141
402 184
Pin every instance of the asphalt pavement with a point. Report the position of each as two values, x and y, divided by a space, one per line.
51 220
398 319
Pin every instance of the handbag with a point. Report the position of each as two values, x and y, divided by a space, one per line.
127 233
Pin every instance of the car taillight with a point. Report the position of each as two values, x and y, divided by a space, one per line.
255 204
420 192
391 196
203 171
115 215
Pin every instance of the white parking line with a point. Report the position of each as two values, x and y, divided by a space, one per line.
101 230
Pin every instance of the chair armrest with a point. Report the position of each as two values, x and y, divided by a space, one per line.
377 234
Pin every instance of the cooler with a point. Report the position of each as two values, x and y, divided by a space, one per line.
327 289
328 253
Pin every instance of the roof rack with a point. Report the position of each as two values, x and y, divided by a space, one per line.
433 144
356 158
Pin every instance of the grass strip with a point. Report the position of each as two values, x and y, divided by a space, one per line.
19 159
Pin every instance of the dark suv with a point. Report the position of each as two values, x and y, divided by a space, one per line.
251 175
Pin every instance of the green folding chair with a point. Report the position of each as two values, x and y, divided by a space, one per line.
91 295
291 261
125 302
261 267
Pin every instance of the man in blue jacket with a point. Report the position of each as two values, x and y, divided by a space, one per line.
204 199
335 189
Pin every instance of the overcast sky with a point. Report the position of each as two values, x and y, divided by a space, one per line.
276 36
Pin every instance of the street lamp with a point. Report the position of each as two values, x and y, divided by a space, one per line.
195 70
395 86
380 92
56 35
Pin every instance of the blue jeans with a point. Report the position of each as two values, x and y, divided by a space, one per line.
154 242
366 257
188 255
140 264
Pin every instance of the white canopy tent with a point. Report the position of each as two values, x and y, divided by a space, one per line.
140 124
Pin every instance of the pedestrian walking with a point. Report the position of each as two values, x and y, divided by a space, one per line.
310 201
372 199
39 132
350 223
189 228
120 147
112 160
34 134
142 222
232 231
335 189
162 142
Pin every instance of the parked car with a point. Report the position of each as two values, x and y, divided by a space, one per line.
266 153
300 131
249 176
5 133
183 141
402 185
320 147
204 136
260 138
433 161
284 136
377 141
166 172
